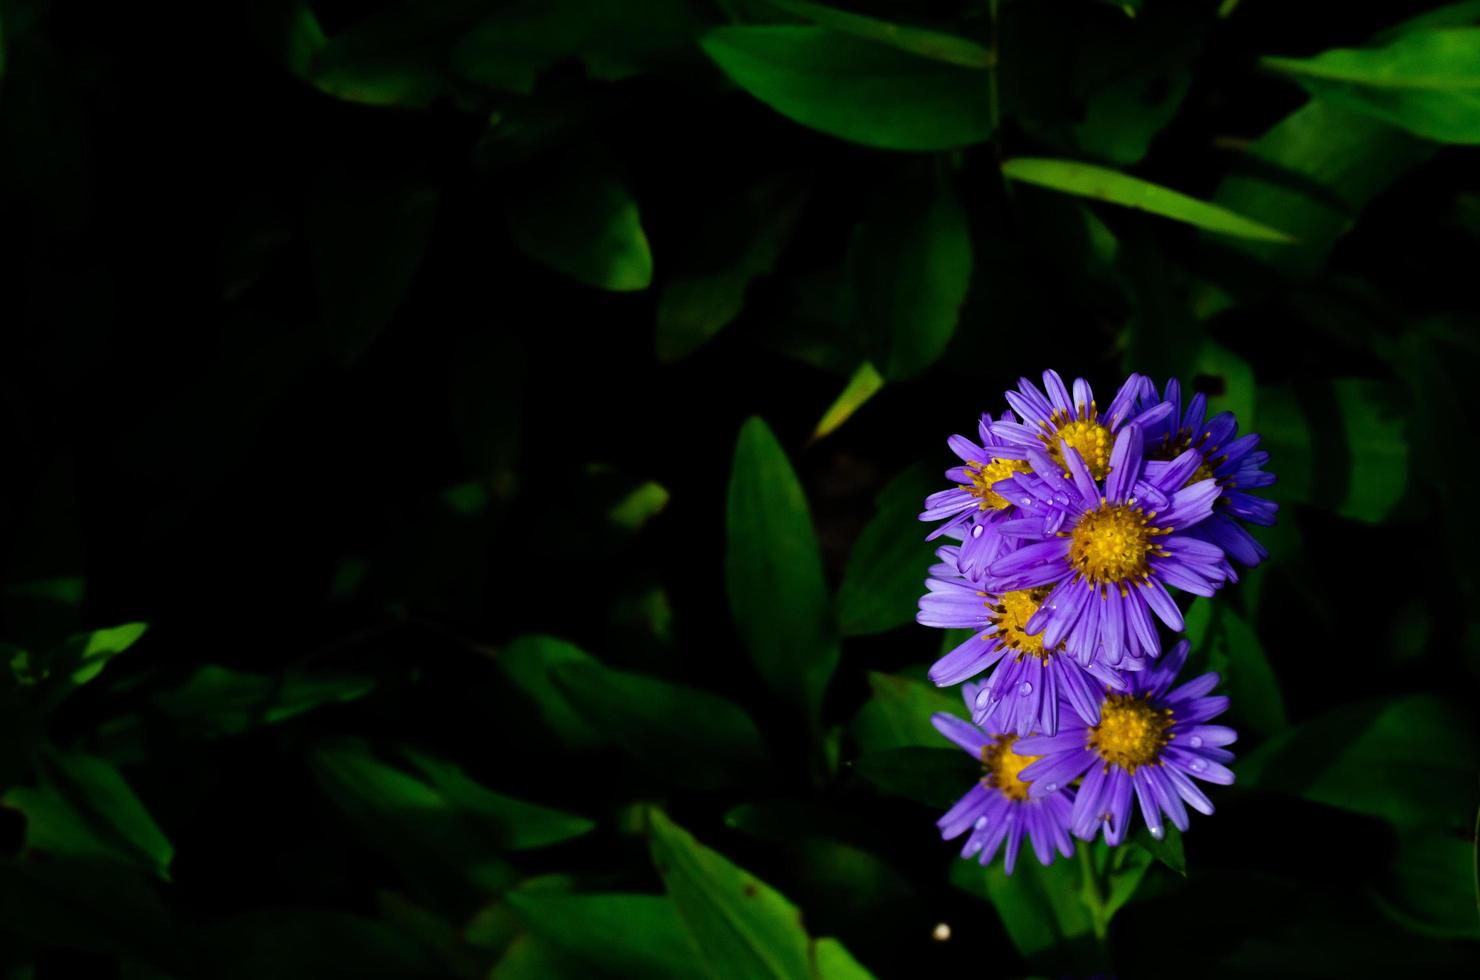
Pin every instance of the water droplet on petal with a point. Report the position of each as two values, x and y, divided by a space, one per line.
1050 787
1025 689
1198 765
1158 832
977 531
982 695
981 823
1027 501
1195 741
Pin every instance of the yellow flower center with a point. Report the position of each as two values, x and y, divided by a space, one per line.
1011 614
1131 733
984 475
1088 438
1113 543
1172 446
1001 765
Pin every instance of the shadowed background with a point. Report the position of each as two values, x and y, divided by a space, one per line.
458 450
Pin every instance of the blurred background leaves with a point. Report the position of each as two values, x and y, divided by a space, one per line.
463 458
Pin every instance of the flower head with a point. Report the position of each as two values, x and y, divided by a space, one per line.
1031 679
972 508
1002 805
1234 461
1053 421
1108 549
1151 742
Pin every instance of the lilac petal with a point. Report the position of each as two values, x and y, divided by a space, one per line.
964 813
967 660
1052 773
962 732
1195 688
1150 805
1166 610
967 450
1171 803
1214 735
1186 789
1058 395
1125 464
1089 491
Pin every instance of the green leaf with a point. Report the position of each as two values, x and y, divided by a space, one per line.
1087 180
912 259
84 809
773 572
742 928
1224 642
834 962
83 657
1040 908
691 736
436 846
915 40
862 385
396 57
1340 444
1431 886
934 777
219 701
1410 760
529 661
855 89
366 241
1312 173
512 824
886 570
614 934
741 241
1168 850
1425 81
574 215
898 714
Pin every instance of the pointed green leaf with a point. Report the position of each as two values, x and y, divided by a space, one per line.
1168 850
621 935
934 777
773 572
862 385
915 40
83 657
689 735
528 662
854 89
898 714
1100 183
575 216
1424 81
742 928
1431 885
219 701
834 962
886 570
1040 908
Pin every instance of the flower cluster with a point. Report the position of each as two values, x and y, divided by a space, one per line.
1065 537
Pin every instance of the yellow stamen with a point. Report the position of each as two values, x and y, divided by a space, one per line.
1001 766
984 475
1113 543
1131 732
1088 438
1011 613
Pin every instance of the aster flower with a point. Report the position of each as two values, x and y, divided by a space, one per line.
1000 807
971 508
1052 420
1023 693
1109 550
1233 460
1151 741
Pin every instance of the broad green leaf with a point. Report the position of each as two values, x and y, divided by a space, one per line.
1228 381
1222 641
912 259
689 735
82 657
1425 81
84 809
437 847
574 215
1339 445
934 777
854 89
1312 173
862 385
1168 850
1041 908
366 241
1431 885
834 962
528 662
885 575
395 57
613 934
1410 760
898 714
742 928
741 241
1088 180
773 572
219 701
513 824
915 40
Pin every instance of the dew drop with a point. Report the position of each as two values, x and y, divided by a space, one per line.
981 823
977 531
982 696
1025 689
1050 787
1198 765
1027 501
1195 741
1158 832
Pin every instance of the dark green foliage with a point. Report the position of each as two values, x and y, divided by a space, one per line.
463 457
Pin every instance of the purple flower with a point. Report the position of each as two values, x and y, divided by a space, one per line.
972 507
1150 742
1024 691
1108 550
1000 806
1051 420
1233 460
